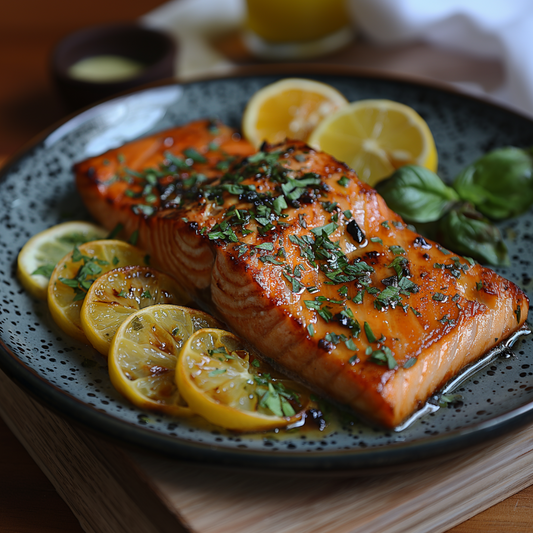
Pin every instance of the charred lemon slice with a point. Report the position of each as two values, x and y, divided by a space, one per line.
75 273
144 351
375 137
119 293
290 108
39 256
223 382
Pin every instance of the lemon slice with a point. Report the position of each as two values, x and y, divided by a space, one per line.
144 351
290 108
119 293
376 137
224 383
39 256
74 274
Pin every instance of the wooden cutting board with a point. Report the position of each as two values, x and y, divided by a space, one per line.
113 489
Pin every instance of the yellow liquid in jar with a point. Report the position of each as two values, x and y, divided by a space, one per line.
295 21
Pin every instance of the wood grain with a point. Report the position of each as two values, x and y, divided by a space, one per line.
27 497
112 489
83 470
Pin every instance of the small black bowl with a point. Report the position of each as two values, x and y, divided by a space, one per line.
155 50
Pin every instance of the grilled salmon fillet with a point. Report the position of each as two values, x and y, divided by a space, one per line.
307 263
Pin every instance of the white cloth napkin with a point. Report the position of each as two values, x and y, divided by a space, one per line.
500 29
194 23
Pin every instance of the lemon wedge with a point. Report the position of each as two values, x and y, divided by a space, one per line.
376 137
119 293
144 351
223 382
290 108
75 273
39 256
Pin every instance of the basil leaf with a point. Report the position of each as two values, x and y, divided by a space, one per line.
499 184
417 194
467 232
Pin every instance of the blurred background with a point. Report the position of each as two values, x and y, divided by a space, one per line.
210 41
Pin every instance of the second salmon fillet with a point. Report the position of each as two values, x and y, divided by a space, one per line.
308 264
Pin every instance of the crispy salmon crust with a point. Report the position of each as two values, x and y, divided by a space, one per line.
309 265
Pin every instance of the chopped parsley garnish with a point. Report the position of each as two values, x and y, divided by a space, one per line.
270 259
265 246
87 273
343 181
369 333
275 397
350 344
447 399
216 372
439 297
219 350
384 356
397 250
328 229
44 270
197 157
353 359
410 362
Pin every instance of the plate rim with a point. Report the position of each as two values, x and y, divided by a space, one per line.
336 462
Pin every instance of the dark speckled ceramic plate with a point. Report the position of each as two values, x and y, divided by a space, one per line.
37 191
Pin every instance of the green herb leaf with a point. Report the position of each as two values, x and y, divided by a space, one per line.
417 194
115 231
369 333
410 362
328 229
446 399
44 270
265 246
216 372
350 344
197 157
134 237
384 357
467 232
499 184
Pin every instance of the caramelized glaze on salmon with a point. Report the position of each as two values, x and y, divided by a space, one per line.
307 263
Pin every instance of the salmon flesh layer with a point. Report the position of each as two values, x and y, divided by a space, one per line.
305 262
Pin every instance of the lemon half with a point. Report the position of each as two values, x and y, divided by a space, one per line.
376 137
224 383
39 256
290 108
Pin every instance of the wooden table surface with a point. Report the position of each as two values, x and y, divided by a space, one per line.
28 104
